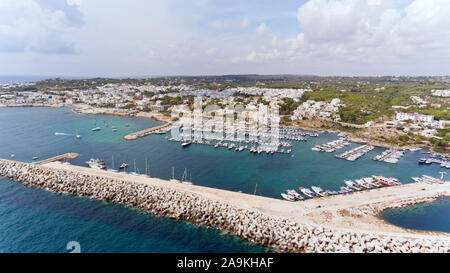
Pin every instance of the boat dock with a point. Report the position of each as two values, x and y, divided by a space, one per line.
356 153
146 132
331 146
390 156
63 157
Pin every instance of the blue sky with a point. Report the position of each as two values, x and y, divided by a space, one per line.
206 37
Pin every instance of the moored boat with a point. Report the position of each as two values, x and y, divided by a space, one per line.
185 144
319 191
307 192
352 185
383 180
97 164
288 197
346 189
295 194
416 179
394 181
173 177
363 183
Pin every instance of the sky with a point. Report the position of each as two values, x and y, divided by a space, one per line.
216 37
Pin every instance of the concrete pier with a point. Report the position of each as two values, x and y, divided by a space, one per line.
146 132
63 157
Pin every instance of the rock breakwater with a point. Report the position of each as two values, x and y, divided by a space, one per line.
281 234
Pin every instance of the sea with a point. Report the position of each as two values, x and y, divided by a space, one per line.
34 220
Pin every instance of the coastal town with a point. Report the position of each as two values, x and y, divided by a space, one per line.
410 119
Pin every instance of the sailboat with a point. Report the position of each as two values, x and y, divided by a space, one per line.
96 128
147 171
77 135
130 172
112 166
173 176
184 178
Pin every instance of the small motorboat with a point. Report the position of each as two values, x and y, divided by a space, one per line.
288 197
185 144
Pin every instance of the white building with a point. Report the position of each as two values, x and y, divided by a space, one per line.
441 93
311 108
429 133
414 117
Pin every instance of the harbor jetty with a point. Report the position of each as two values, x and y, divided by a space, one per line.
333 224
63 157
146 132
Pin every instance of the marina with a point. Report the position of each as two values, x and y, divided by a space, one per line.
442 161
364 183
390 156
257 144
331 146
356 153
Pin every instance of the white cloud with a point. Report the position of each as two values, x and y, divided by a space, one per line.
261 29
229 24
27 26
367 36
372 25
245 22
211 51
73 2
162 37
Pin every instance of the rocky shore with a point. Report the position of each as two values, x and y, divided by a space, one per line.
279 233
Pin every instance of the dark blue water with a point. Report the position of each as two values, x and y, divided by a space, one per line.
29 132
428 216
33 220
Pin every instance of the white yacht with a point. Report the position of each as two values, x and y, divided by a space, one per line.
96 164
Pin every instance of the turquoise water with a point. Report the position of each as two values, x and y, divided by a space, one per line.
428 216
29 132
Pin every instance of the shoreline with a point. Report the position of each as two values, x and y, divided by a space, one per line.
310 226
90 110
